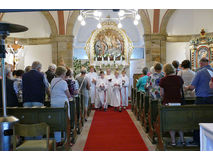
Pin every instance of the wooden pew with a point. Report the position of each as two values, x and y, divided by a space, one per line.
145 110
79 114
73 120
152 116
132 99
153 112
185 118
56 118
137 107
82 110
140 106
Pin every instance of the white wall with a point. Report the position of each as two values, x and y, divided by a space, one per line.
177 51
35 21
30 53
38 27
42 53
190 21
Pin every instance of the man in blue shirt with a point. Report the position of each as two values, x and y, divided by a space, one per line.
204 94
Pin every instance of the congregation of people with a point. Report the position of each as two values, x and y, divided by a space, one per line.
32 88
172 83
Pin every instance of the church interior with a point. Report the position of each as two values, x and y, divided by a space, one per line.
99 41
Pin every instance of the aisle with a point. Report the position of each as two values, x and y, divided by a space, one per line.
113 131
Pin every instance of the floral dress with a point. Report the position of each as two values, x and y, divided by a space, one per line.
153 85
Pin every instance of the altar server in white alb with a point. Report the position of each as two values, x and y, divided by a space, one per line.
109 78
116 91
124 89
92 75
101 95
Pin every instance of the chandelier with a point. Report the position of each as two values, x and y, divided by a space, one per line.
97 14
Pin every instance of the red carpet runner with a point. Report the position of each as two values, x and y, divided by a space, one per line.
113 131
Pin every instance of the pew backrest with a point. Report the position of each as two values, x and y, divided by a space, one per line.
185 118
56 118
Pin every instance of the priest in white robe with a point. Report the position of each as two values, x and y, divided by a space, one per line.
116 91
101 95
92 75
124 89
109 78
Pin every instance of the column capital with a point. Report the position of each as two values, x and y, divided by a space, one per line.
62 38
155 36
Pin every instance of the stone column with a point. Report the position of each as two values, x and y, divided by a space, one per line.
62 49
155 48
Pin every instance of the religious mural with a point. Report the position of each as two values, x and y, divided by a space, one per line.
109 46
109 43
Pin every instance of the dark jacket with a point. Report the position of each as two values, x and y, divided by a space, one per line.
33 87
50 75
11 97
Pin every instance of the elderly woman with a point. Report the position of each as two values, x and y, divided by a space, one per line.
59 94
84 87
154 80
170 90
143 80
187 75
72 83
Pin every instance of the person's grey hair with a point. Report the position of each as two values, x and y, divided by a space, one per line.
36 65
83 70
152 69
52 66
71 72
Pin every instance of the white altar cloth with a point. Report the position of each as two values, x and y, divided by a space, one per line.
206 136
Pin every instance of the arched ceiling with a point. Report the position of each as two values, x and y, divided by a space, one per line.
190 21
82 33
36 22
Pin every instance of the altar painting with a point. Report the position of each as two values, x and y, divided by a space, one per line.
109 43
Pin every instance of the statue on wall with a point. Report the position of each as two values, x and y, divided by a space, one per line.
15 49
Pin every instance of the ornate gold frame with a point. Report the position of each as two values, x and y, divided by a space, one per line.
128 46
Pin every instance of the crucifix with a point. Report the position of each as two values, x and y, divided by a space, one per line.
15 49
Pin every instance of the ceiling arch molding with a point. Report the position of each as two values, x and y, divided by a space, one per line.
165 20
51 22
71 22
48 17
145 21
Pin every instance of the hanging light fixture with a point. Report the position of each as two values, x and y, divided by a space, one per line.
120 25
96 14
83 23
135 22
80 17
137 17
99 25
121 13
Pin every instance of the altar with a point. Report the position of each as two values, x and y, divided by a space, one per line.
109 47
201 47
